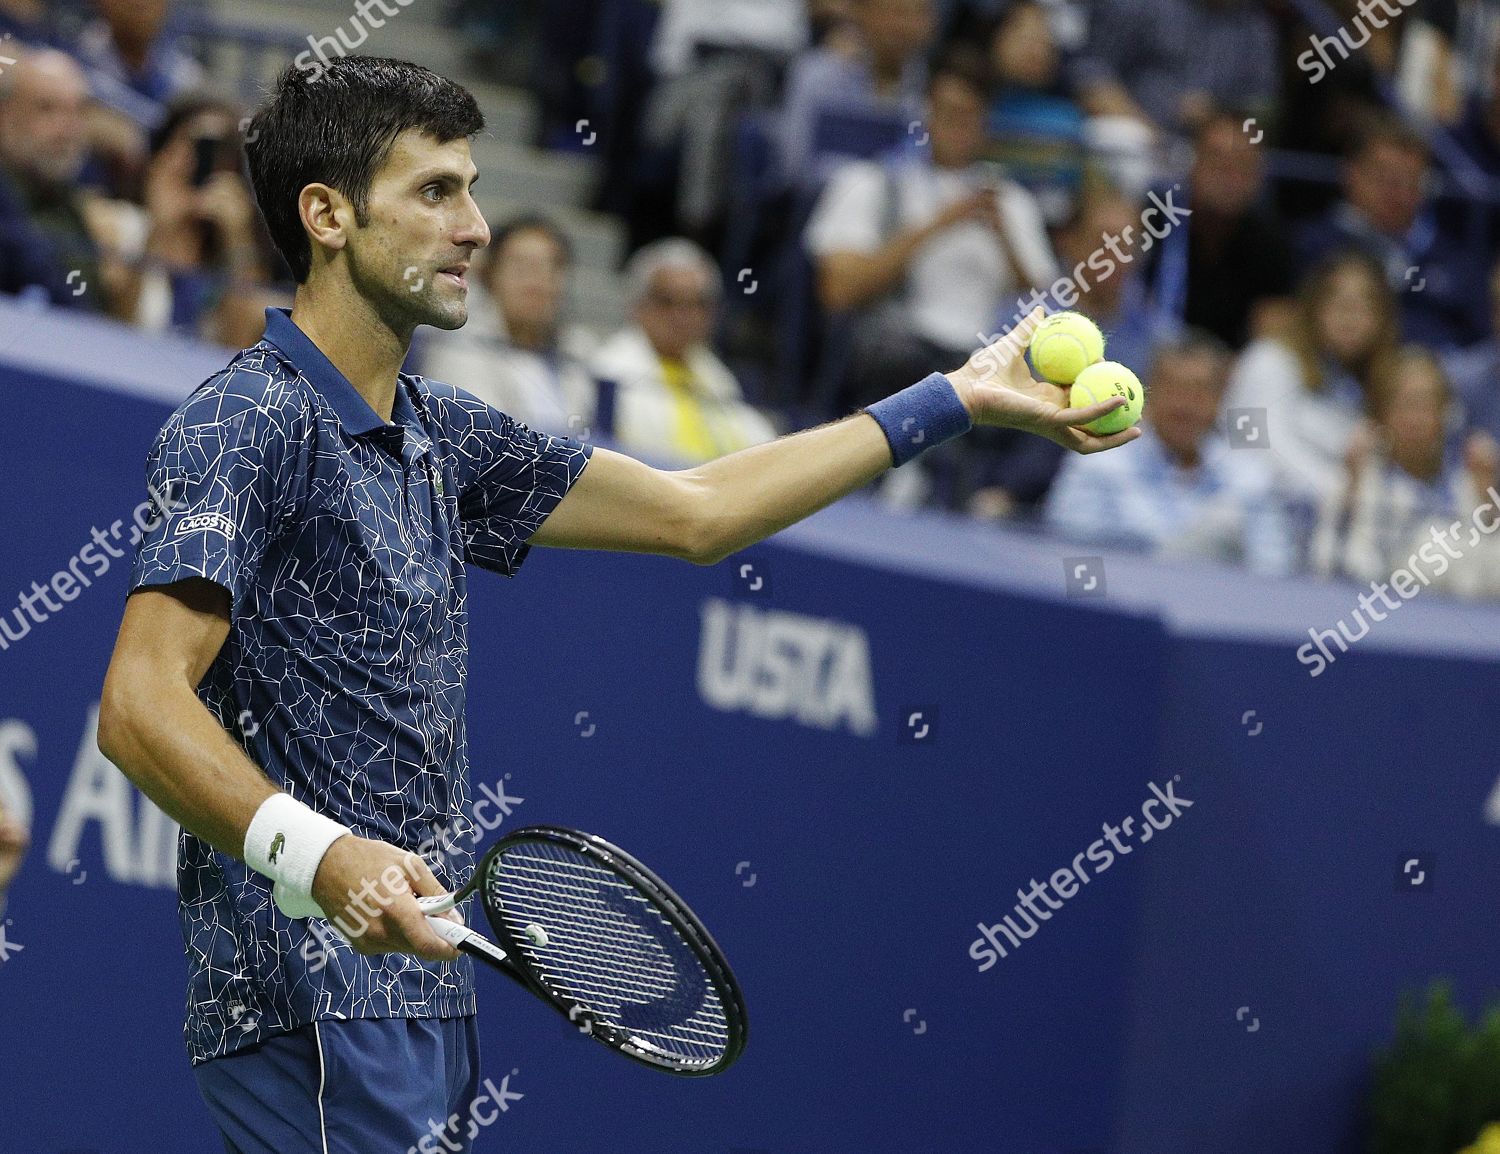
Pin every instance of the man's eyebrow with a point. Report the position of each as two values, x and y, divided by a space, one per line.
451 176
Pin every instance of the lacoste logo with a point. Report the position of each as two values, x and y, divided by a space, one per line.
209 522
278 843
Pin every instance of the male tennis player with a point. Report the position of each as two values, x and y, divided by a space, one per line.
289 678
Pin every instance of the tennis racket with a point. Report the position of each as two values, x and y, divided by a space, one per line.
591 931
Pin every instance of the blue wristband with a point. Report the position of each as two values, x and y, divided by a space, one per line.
921 416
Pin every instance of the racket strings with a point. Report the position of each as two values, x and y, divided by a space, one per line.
609 950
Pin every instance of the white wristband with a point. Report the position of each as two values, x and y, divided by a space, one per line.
286 842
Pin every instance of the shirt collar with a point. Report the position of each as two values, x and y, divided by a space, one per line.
354 412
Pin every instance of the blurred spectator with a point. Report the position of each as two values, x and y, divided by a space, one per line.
1385 212
49 228
515 353
1400 485
927 247
1180 489
674 398
1171 62
714 60
1035 124
1118 302
1307 388
196 254
874 65
1239 268
133 64
1475 371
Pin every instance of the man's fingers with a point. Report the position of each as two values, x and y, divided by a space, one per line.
423 882
1083 416
1020 336
421 938
1090 443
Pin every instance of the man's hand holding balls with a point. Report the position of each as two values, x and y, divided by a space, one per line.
998 389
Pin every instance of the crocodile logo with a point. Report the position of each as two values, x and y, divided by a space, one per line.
278 843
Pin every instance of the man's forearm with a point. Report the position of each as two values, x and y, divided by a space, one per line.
758 491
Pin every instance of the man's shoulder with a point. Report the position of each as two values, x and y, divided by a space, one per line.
257 389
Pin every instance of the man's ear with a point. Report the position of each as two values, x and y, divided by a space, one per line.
326 214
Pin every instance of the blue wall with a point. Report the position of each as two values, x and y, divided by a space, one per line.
874 856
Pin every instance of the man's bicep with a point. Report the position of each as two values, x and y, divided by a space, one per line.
623 504
173 630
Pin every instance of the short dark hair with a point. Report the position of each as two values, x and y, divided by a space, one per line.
336 125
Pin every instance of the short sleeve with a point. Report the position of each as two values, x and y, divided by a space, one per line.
510 477
224 474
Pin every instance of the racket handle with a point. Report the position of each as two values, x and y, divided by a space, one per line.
465 939
437 903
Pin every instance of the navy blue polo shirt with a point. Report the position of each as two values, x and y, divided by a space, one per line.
342 541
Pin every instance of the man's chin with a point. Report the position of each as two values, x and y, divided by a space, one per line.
453 315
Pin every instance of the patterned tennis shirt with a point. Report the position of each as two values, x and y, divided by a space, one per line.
342 541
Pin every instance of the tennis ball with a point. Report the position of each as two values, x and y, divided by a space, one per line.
1064 345
1100 382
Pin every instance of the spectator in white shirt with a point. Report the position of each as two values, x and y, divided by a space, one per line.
516 353
674 398
1310 384
927 247
1402 484
1180 490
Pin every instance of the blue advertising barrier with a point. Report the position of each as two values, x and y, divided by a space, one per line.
848 748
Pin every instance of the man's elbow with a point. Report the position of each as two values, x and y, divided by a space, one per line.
116 710
707 533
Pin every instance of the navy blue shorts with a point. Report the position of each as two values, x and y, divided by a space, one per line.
364 1086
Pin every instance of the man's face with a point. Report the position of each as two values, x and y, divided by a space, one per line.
530 279
42 128
1387 184
421 221
1226 170
677 311
896 29
1184 403
955 118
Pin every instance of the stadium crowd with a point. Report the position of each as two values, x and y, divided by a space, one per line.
1281 212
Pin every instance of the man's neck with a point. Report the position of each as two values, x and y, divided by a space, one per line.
358 343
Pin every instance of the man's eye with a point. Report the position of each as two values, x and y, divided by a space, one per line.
433 189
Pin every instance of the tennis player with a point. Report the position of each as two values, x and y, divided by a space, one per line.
289 678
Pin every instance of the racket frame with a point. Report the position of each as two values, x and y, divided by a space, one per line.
509 954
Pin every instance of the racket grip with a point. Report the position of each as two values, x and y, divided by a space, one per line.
451 932
462 938
437 903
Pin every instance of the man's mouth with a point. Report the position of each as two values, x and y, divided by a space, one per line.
455 273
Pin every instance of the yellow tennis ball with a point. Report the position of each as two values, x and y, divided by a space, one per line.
1098 383
1064 345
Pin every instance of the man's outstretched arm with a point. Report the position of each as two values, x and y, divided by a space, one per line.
709 512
